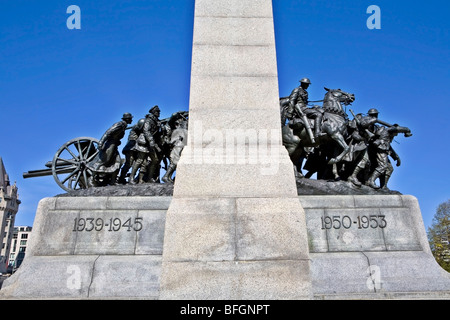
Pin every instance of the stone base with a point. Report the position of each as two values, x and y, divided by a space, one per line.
85 277
235 248
92 248
384 257
236 280
371 247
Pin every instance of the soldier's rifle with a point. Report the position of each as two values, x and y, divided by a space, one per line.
369 134
306 122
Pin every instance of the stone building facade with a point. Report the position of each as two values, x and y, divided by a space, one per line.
9 206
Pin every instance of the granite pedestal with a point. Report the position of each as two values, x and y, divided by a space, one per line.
370 247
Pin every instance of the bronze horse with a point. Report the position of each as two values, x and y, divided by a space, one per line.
334 130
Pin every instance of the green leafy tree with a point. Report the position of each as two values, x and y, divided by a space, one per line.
439 235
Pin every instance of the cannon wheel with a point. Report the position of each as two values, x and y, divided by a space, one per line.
69 163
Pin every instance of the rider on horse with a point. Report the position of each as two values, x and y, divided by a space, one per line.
298 109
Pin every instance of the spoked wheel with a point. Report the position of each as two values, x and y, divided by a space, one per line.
69 165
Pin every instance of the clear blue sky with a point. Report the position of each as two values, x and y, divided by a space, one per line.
57 84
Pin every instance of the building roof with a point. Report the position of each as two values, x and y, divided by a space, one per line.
4 178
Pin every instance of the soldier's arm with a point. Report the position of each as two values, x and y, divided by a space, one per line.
110 132
366 122
394 155
293 96
148 135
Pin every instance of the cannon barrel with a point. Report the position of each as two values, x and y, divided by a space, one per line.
62 166
59 163
37 173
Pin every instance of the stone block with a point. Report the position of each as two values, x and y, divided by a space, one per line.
126 277
234 61
270 229
234 93
52 230
317 235
87 230
330 201
213 179
407 271
343 272
229 280
233 8
138 203
401 234
378 201
353 229
74 203
150 240
231 31
106 232
412 204
50 277
379 224
205 230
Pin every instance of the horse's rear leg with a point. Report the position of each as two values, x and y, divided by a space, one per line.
340 140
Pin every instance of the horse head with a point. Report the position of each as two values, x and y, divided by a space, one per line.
339 95
334 98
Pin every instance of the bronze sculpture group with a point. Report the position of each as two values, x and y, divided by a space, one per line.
319 139
151 141
335 147
322 140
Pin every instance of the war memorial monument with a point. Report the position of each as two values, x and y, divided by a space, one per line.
236 214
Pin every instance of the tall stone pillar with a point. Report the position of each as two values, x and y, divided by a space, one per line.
235 228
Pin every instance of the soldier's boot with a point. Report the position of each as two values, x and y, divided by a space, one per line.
387 176
141 177
113 180
373 177
123 175
318 127
134 169
168 176
151 172
353 178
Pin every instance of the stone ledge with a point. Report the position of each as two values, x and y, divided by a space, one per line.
85 277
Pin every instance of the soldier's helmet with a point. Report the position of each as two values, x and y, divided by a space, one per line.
372 111
126 116
305 80
140 123
155 108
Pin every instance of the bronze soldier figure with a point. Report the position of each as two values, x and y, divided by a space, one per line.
364 131
383 149
151 133
140 151
107 164
298 108
177 142
129 151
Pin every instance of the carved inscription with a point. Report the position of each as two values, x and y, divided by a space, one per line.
111 224
360 222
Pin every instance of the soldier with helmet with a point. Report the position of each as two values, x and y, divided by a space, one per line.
130 150
298 108
151 132
363 131
108 162
377 141
368 122
380 150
